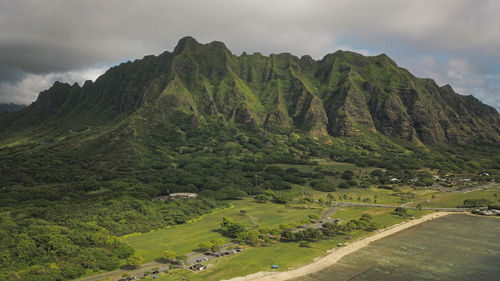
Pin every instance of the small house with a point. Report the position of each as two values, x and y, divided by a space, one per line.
198 267
183 195
274 266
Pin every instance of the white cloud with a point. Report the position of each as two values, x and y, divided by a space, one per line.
26 90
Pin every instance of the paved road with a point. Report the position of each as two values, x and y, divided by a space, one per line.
330 211
348 204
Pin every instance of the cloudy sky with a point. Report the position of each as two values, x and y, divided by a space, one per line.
455 42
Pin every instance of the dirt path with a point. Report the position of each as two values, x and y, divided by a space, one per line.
330 211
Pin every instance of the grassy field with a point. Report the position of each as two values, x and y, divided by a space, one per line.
185 238
383 216
456 199
383 196
286 255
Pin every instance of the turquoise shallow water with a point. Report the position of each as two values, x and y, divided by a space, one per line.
455 247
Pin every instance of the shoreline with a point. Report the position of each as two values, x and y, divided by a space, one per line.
335 254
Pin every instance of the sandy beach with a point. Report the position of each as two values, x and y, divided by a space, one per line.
337 253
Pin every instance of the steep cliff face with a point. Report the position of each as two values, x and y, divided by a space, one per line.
343 94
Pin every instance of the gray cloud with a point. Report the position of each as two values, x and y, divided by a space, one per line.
25 89
44 39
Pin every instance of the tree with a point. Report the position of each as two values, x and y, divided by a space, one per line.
347 175
124 251
231 228
401 212
304 244
262 198
215 248
250 237
476 202
343 185
205 245
281 198
181 259
218 241
243 212
269 193
168 255
135 261
366 217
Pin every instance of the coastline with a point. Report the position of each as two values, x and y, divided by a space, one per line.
334 255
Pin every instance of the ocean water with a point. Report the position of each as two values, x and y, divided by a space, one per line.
455 247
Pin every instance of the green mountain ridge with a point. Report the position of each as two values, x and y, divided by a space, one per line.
342 94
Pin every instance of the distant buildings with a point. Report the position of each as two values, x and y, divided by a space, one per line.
183 195
177 195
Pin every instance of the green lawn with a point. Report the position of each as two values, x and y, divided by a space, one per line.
186 237
383 196
383 216
286 255
456 199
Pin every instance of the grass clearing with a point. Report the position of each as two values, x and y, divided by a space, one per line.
456 199
286 255
185 238
383 196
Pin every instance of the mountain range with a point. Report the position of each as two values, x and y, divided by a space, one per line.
343 94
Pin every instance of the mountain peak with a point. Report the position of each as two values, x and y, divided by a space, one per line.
186 43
